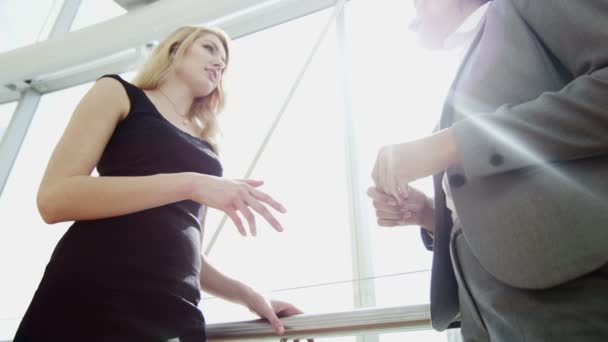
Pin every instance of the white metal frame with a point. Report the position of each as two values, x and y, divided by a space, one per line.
15 134
47 67
22 117
362 255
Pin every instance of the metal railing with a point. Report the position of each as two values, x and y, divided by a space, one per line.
348 323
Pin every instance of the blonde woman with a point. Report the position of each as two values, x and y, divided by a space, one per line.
130 267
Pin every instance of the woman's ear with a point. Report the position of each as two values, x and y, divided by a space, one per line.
173 48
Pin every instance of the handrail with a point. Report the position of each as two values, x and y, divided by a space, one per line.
348 323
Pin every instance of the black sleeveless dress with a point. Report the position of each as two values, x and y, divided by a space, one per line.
133 277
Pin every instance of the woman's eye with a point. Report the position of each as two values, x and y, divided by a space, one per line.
209 48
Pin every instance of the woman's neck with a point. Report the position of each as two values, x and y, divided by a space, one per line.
178 93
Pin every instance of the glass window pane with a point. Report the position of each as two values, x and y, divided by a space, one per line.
6 114
303 167
27 242
92 12
26 22
397 90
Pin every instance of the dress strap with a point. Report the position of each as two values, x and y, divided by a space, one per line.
132 91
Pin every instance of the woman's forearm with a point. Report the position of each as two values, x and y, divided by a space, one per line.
87 197
216 283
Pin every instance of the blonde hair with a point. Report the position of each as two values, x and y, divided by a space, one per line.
156 69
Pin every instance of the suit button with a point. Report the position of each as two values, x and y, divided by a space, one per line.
456 180
496 159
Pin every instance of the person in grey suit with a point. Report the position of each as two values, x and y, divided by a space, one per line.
519 221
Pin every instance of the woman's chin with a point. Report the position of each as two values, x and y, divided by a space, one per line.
205 89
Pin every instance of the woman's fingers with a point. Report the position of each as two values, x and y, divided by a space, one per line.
252 182
244 209
266 198
237 221
244 197
262 210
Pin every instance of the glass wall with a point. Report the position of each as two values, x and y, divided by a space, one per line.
26 22
303 166
26 241
395 92
92 12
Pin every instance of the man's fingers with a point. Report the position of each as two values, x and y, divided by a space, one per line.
408 219
413 206
404 189
394 190
388 222
377 195
376 171
385 206
386 215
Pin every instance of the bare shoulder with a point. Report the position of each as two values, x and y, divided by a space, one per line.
90 128
110 94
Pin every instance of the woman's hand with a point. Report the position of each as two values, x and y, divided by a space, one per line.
414 209
236 197
271 310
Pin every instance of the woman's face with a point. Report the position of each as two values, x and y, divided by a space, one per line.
436 20
202 64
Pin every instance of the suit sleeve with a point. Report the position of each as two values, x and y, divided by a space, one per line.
568 124
427 239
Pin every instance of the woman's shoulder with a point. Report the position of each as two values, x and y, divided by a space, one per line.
128 86
115 91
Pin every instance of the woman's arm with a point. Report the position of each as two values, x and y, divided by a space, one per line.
214 282
67 191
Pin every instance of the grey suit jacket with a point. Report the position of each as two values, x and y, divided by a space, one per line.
529 109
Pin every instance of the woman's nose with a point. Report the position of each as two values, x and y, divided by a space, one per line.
220 64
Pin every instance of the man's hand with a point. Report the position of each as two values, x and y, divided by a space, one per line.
398 165
415 209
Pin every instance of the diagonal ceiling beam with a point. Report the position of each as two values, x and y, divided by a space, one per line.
137 28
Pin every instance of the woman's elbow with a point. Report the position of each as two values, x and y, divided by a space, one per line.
47 207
